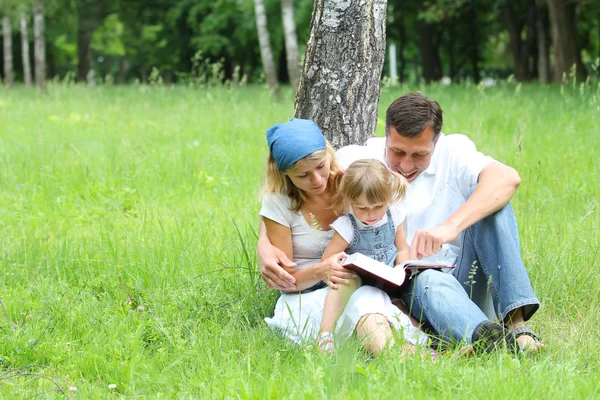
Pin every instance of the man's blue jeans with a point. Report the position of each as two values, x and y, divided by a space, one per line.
490 262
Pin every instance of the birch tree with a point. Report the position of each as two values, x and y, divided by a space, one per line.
265 48
39 47
291 42
7 46
339 87
25 49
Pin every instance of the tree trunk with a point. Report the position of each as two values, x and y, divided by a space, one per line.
531 40
122 70
291 42
402 46
393 65
144 73
108 63
25 50
265 48
514 25
7 41
451 50
566 52
39 46
88 19
430 59
474 53
281 65
339 88
543 62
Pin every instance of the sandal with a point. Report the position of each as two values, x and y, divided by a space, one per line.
534 347
325 343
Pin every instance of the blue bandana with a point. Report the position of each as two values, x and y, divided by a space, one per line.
292 141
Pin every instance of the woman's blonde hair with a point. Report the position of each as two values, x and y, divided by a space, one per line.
277 182
373 179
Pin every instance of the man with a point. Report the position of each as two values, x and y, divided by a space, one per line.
459 212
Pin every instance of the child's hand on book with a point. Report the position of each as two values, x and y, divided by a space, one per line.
332 273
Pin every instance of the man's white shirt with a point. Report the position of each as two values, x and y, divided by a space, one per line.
439 190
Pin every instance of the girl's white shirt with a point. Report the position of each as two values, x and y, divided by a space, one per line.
343 225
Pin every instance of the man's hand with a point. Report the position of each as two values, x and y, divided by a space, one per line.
272 263
428 242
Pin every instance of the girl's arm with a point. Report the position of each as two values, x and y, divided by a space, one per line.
336 245
401 245
328 270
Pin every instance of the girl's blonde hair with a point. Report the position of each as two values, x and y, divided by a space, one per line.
277 182
373 179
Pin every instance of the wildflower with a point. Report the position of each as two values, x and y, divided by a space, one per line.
140 308
73 388
112 386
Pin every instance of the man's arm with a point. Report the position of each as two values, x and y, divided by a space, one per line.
497 184
272 262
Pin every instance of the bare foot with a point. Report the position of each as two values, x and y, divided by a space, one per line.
529 345
407 350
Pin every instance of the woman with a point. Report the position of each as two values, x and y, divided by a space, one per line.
296 212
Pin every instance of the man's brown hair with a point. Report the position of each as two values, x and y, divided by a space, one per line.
412 113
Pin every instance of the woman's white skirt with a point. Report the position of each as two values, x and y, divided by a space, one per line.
298 316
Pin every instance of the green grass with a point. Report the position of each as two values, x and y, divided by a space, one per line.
127 220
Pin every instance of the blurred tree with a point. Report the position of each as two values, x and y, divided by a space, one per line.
90 15
520 18
430 36
7 45
564 40
543 47
291 42
402 25
265 48
108 41
25 48
39 43
442 32
340 83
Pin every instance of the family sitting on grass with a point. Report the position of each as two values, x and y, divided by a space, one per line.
417 186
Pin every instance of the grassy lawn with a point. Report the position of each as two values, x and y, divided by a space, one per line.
127 219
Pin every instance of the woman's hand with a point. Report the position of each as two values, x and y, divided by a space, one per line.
273 263
332 273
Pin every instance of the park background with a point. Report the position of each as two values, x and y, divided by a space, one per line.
129 196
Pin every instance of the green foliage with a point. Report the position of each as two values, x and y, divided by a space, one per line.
108 38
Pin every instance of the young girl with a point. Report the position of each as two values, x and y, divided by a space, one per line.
373 227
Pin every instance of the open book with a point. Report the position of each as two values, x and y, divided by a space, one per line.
378 274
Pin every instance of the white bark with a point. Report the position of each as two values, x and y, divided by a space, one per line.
291 42
393 65
25 50
39 43
339 88
265 47
7 41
